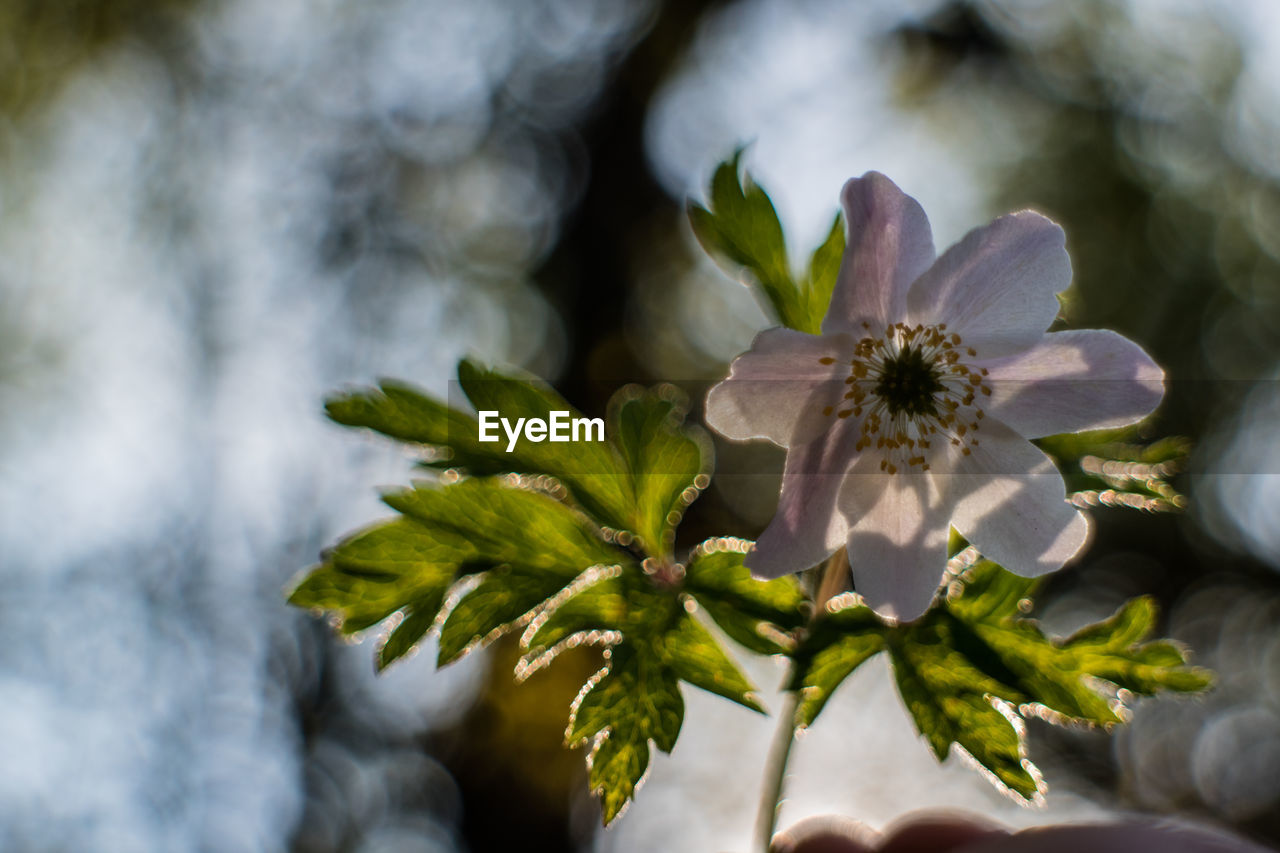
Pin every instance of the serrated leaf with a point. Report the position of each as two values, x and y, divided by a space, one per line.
753 612
420 616
637 701
529 545
637 694
657 642
950 702
375 572
400 547
402 412
664 458
501 598
617 766
992 594
596 601
653 618
956 662
507 525
966 669
695 656
355 601
838 643
741 226
1058 674
591 470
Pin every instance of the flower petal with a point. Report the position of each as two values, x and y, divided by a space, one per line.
780 387
1010 502
1072 381
889 245
897 539
996 287
808 526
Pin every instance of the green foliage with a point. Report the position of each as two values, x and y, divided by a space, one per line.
839 642
639 480
1107 468
971 668
573 541
656 641
592 471
574 544
666 462
740 226
758 614
528 545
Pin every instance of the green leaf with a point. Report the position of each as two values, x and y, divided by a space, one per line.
375 572
527 545
635 701
591 470
957 664
507 525
402 412
758 614
839 642
500 601
950 701
655 641
420 616
357 602
695 656
824 268
1104 468
616 767
639 479
667 462
970 668
739 227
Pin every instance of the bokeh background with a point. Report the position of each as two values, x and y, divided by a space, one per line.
213 212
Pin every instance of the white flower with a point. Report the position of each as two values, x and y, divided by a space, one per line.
910 413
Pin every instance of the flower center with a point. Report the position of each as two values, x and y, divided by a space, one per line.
907 384
912 390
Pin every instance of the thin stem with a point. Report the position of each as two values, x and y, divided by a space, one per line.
831 580
835 575
776 771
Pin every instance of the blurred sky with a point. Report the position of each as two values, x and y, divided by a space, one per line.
227 209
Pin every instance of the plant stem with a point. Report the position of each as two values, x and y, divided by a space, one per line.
776 771
830 581
834 577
